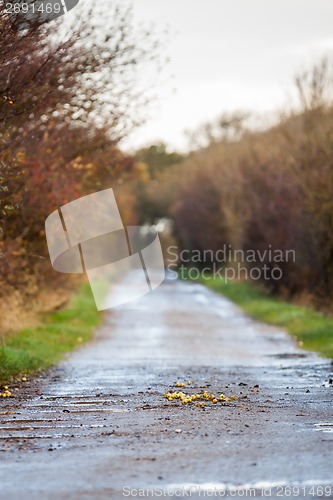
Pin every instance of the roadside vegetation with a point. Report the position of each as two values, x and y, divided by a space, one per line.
67 97
264 190
34 349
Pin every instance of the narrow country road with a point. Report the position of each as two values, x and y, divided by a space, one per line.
98 425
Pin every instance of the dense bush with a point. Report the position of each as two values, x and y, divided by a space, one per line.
67 97
257 190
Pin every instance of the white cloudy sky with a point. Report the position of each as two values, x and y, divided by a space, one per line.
228 54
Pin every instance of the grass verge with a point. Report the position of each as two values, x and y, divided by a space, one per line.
35 349
313 330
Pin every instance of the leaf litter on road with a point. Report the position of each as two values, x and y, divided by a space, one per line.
199 399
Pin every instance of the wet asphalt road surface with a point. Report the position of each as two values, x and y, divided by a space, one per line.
98 426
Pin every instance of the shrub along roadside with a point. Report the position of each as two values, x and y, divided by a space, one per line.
35 349
313 330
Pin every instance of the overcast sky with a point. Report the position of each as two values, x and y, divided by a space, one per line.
230 54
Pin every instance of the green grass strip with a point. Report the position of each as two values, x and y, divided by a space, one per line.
35 349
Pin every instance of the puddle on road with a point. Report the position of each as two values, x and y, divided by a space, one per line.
101 410
58 426
67 396
28 420
228 313
288 355
68 405
38 436
326 427
201 298
99 402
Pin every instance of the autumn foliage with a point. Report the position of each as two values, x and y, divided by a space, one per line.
67 97
256 190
